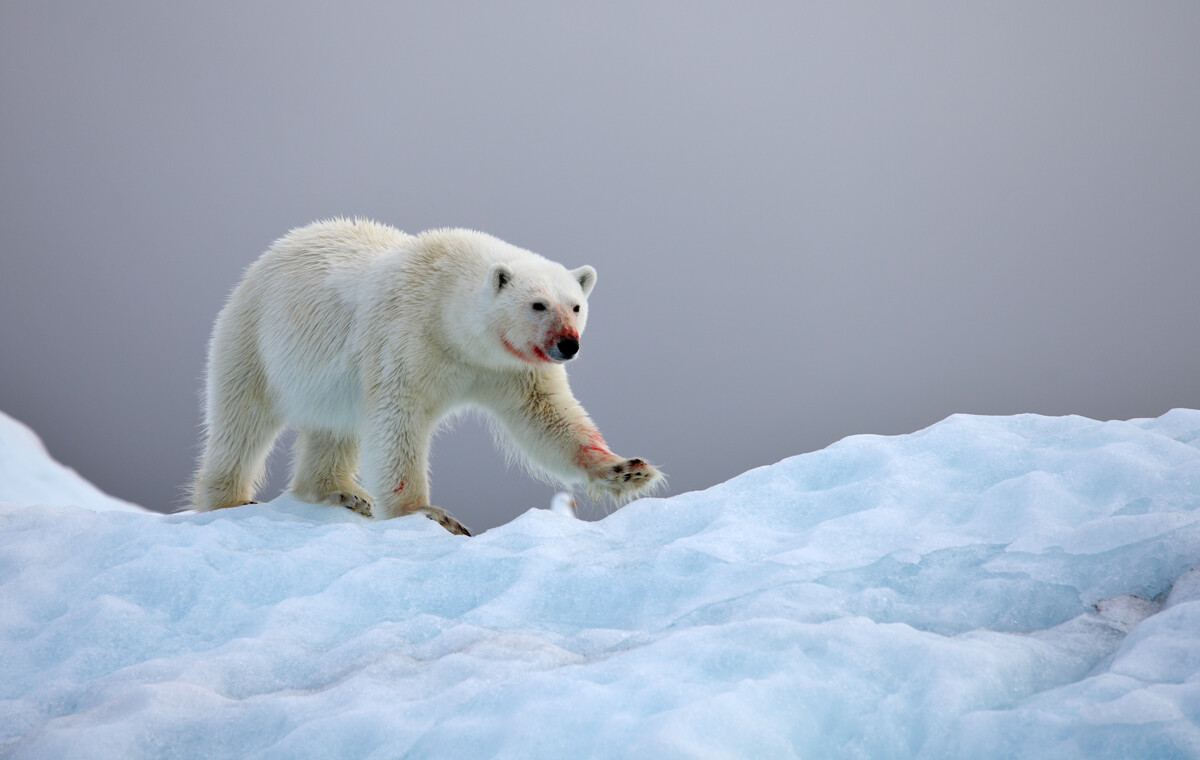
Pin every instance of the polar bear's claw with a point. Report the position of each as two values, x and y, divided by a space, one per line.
454 526
352 501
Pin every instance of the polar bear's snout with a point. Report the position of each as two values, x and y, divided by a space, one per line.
565 349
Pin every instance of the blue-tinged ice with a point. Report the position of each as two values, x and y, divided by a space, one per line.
988 587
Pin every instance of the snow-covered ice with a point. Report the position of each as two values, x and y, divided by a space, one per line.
987 587
28 475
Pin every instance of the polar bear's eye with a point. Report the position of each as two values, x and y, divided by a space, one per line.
576 308
539 306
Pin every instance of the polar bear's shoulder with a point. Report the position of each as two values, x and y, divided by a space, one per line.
340 233
461 243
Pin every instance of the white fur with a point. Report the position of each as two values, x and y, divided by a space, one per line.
363 338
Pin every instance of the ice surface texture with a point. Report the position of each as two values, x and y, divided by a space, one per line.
987 587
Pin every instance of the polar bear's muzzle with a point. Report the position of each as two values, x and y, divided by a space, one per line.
564 349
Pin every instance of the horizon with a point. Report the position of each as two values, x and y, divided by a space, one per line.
808 221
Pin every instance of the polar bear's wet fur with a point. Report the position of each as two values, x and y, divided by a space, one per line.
363 338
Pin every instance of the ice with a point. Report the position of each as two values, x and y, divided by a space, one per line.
28 475
986 587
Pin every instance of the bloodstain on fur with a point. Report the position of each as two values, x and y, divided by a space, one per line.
592 450
513 349
539 354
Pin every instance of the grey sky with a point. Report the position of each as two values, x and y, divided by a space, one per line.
809 220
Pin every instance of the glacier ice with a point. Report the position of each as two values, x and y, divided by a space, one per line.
987 587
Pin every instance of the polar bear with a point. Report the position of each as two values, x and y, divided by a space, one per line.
363 338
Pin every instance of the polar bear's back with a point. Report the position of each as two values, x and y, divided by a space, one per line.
330 245
337 254
323 262
334 236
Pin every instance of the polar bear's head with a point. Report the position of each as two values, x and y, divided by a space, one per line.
538 308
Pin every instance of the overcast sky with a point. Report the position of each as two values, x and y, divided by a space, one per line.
810 220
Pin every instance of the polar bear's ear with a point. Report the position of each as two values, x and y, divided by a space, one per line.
499 276
586 277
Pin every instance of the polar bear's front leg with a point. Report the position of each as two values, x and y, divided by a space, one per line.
552 431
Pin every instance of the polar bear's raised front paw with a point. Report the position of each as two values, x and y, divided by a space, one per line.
356 502
626 478
443 519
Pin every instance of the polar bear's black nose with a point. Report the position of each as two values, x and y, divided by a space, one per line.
568 347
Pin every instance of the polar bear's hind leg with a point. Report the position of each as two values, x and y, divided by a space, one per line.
324 469
241 429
